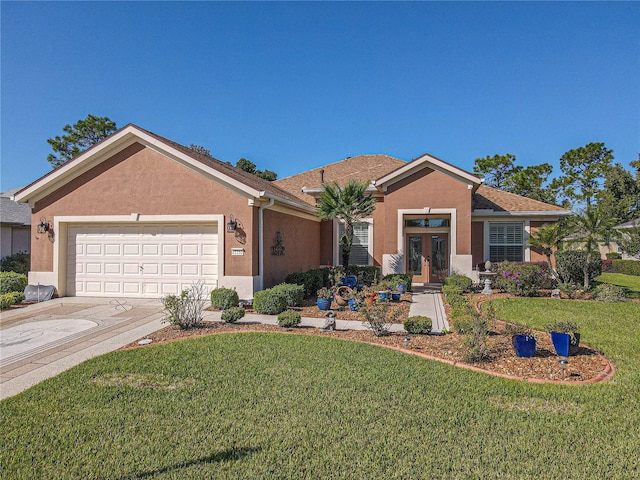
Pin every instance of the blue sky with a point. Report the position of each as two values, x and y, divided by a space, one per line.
293 86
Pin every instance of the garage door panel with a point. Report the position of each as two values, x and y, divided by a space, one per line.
150 250
114 259
112 269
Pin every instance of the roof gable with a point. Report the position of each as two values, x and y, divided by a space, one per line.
234 178
427 161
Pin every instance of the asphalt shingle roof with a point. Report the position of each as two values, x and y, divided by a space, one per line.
361 167
14 213
489 198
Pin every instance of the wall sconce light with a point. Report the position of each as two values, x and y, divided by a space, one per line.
44 226
232 224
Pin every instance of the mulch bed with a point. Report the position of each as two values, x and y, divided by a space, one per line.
586 365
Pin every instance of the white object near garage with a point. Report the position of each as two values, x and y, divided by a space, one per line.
140 260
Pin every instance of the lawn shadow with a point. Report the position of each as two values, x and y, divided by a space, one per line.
223 456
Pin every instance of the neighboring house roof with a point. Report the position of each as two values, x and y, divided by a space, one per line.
629 224
130 134
491 200
361 167
14 213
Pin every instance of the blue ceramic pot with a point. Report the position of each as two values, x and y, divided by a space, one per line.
395 297
353 304
384 295
524 345
402 288
324 303
561 343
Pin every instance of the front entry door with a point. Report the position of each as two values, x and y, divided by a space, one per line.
427 257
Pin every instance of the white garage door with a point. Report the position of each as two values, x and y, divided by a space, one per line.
142 260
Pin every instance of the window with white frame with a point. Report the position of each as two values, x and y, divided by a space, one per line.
506 241
360 254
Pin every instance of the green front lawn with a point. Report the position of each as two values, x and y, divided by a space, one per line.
632 282
267 405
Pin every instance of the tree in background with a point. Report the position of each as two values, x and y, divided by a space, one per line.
250 167
348 204
500 171
590 228
584 170
495 169
620 196
529 182
78 138
243 164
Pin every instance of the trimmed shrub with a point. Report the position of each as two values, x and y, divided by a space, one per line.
293 294
224 298
609 293
627 267
613 256
289 319
12 282
396 278
418 324
457 301
11 298
569 265
522 279
448 290
461 281
269 302
232 315
18 262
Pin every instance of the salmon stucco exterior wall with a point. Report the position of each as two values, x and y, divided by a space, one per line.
431 189
140 180
291 244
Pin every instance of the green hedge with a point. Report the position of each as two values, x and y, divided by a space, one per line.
461 281
18 262
569 266
12 282
11 298
627 267
418 324
311 280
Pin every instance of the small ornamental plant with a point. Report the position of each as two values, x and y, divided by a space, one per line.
326 293
562 326
289 318
232 315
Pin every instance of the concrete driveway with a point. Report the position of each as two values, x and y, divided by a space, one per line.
41 340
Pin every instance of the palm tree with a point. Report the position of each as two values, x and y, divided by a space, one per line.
548 238
348 204
591 227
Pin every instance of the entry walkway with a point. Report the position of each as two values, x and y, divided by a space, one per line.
42 340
